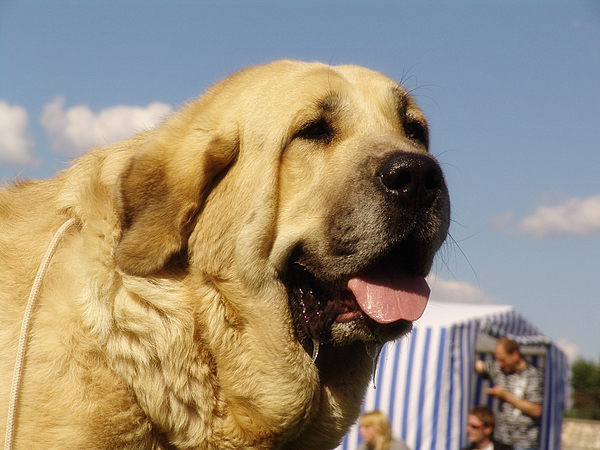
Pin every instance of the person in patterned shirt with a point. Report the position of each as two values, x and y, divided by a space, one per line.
519 388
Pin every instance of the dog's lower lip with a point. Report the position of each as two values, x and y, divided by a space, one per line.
320 305
348 316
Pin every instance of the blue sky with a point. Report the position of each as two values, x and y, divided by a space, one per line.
511 90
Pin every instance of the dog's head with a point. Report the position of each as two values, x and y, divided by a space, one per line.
313 177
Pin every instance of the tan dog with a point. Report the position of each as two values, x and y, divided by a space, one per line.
288 215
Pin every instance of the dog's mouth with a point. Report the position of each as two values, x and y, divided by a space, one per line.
376 305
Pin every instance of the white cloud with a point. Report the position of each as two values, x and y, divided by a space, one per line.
15 142
579 217
456 291
575 216
76 130
570 349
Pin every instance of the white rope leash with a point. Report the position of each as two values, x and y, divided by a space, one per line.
22 348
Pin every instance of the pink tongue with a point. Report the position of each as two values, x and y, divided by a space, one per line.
387 297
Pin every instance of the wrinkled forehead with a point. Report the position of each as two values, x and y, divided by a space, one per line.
292 85
360 86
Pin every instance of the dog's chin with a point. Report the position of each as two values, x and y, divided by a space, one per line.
362 328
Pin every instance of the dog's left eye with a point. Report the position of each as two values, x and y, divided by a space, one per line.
318 130
417 132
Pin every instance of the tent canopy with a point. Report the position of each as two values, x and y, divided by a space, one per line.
426 384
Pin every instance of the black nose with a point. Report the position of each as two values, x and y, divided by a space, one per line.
415 177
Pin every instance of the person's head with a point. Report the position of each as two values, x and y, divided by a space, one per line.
480 425
508 355
375 429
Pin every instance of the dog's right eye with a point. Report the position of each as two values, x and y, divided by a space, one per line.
417 132
318 130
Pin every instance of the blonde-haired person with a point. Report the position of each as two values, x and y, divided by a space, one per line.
376 433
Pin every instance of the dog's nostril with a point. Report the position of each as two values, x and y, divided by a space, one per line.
416 176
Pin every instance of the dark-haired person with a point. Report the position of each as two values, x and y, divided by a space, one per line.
480 430
519 388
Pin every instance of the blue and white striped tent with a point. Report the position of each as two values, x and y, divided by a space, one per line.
426 383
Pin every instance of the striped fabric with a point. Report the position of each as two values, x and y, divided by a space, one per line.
426 383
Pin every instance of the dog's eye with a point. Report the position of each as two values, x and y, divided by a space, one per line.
417 132
318 130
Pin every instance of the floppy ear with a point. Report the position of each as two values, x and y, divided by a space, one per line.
161 191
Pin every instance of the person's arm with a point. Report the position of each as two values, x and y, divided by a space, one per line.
527 407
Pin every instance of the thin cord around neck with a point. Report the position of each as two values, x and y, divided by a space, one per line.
22 348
